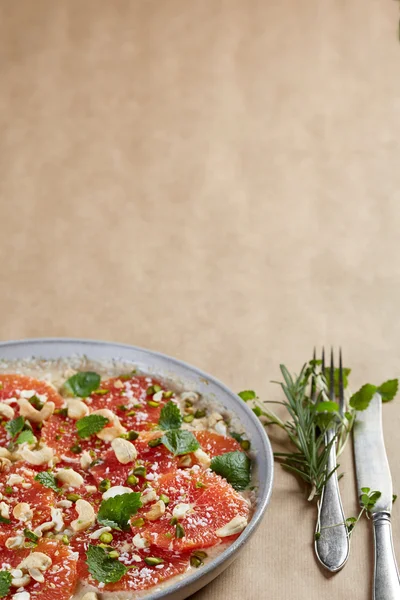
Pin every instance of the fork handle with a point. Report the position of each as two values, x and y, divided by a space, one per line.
332 545
386 575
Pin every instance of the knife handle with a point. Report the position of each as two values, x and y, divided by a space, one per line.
386 574
332 543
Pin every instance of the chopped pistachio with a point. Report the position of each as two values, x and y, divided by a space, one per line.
173 521
73 497
195 562
106 538
153 403
104 485
76 449
140 471
65 540
132 480
152 561
164 498
138 522
245 444
131 413
199 414
113 554
188 418
168 394
179 531
154 443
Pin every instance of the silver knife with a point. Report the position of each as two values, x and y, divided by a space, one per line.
373 472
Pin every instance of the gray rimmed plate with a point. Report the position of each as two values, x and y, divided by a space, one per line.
190 378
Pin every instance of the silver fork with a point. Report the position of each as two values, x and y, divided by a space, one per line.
332 544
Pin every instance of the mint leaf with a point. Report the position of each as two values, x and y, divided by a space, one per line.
170 416
247 395
15 426
47 480
327 406
26 437
361 399
388 390
82 384
235 467
5 583
102 567
180 442
116 512
91 424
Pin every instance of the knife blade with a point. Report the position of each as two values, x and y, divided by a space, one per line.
372 470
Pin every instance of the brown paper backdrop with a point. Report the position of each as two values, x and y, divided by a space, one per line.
218 180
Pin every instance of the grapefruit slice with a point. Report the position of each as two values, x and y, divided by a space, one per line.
157 461
11 387
60 433
59 580
214 443
36 495
213 504
140 575
132 400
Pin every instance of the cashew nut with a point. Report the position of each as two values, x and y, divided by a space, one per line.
35 560
90 596
118 384
192 396
125 451
236 525
202 457
22 595
5 464
4 453
156 511
36 575
140 542
96 534
20 582
86 515
220 428
77 409
15 542
185 461
70 477
37 457
86 460
116 490
148 495
64 504
23 512
32 414
6 410
109 433
57 518
4 510
14 479
180 510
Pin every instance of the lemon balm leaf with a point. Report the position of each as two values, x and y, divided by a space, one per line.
82 384
102 567
180 442
170 416
388 390
90 425
115 512
235 467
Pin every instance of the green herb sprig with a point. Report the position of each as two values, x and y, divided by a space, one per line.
309 418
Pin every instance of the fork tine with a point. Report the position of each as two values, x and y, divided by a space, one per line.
341 384
332 379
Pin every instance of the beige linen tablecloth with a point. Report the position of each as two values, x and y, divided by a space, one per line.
218 180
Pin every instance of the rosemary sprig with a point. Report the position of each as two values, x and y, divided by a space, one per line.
310 415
